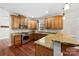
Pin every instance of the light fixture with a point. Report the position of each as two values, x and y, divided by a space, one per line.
67 6
63 17
32 16
46 12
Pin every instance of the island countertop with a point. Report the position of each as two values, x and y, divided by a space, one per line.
62 37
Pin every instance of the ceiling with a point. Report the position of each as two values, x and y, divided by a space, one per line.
34 9
38 9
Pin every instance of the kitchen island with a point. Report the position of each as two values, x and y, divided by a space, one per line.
48 47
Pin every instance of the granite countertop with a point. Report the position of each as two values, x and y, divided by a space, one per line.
45 42
62 37
16 34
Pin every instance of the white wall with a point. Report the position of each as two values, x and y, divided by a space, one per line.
71 22
5 20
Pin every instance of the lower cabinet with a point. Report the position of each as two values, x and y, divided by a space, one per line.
43 51
16 40
65 47
36 36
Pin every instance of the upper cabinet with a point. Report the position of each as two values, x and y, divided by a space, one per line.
33 24
15 22
19 22
55 22
48 23
58 22
22 22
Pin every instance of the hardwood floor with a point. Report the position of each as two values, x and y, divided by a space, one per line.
24 50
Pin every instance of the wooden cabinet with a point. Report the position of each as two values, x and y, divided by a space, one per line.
48 23
22 20
55 22
58 22
32 24
19 22
65 46
16 39
43 51
36 36
15 22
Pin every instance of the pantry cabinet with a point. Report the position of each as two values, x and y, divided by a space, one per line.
55 22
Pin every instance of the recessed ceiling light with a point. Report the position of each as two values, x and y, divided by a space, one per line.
32 16
46 12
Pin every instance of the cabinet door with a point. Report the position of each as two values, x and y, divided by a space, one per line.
48 23
29 24
58 22
22 20
52 23
17 40
15 22
61 22
32 24
26 21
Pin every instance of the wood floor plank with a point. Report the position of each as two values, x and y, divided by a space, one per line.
24 50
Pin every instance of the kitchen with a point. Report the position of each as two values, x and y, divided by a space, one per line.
27 25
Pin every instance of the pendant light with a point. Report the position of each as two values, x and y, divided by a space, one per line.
66 7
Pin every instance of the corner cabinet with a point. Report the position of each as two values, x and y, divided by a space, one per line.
55 22
15 22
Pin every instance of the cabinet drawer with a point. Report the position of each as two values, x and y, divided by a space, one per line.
17 40
18 43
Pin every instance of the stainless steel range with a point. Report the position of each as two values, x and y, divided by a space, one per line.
25 37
